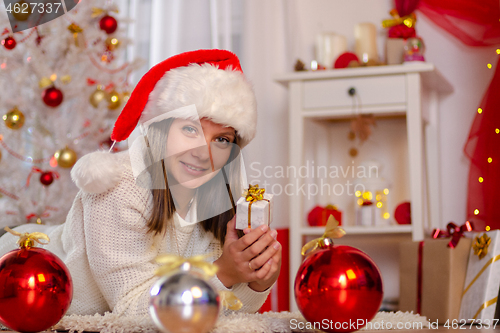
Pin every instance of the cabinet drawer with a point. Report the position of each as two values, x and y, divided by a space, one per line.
333 93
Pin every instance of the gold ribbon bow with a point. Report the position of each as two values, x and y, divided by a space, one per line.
171 262
75 30
99 11
481 245
28 240
253 194
408 20
332 230
49 81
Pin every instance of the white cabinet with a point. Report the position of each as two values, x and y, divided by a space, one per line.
408 93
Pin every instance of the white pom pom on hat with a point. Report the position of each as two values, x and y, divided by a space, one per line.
212 80
97 172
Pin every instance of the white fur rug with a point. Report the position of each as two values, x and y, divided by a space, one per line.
269 322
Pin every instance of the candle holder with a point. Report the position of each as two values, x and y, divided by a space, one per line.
329 46
366 43
371 202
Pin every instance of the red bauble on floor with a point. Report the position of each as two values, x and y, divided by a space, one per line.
9 43
36 289
108 24
337 286
52 97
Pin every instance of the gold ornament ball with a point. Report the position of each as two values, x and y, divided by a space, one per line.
24 11
97 97
112 43
114 100
14 119
65 157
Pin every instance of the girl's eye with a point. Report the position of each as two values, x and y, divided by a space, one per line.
222 142
190 130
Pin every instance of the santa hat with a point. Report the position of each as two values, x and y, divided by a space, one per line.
212 80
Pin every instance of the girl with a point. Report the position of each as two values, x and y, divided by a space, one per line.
196 111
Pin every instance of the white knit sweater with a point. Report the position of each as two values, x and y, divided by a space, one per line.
105 244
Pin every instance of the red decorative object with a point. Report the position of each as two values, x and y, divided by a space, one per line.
453 231
339 284
484 173
345 59
475 23
46 178
108 24
279 299
9 43
406 7
401 31
402 214
318 216
52 97
36 289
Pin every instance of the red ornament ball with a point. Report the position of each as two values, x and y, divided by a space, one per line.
9 43
46 178
402 214
36 289
108 24
52 97
345 59
339 284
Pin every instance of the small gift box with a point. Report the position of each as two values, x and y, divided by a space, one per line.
254 208
482 282
432 273
400 29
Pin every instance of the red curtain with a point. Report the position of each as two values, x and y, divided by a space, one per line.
476 23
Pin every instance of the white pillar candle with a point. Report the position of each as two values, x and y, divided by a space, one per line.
328 47
366 42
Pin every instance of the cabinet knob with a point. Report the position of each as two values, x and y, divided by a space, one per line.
351 91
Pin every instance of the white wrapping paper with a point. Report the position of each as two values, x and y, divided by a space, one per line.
261 212
482 282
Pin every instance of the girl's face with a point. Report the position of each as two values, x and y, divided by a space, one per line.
197 150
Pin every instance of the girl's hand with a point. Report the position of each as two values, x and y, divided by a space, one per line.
255 257
271 270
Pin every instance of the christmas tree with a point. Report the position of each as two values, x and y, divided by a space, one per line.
62 83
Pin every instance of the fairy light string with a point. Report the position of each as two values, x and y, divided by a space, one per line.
481 179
